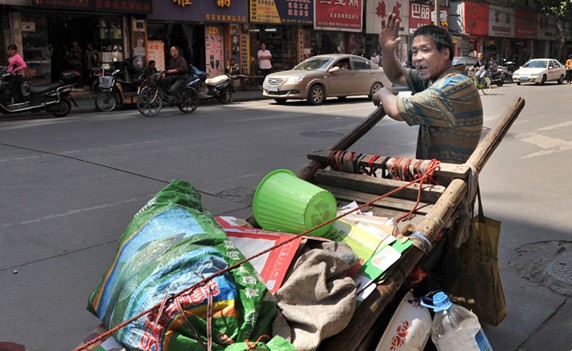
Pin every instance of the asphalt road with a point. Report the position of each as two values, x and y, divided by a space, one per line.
70 186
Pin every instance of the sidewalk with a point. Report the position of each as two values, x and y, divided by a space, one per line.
86 99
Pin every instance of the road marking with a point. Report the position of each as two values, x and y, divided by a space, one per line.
548 144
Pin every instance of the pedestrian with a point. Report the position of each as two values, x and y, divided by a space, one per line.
264 63
16 66
91 59
445 103
569 70
375 59
232 67
75 58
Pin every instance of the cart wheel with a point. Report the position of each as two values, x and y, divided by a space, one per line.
106 101
190 102
149 102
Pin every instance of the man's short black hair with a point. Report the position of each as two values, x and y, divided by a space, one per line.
440 36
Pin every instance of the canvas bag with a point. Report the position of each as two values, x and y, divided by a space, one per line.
479 286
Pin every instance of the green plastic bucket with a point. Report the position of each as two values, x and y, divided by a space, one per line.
283 202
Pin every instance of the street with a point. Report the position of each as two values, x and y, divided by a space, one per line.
70 186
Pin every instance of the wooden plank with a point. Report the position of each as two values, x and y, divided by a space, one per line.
378 186
387 207
372 307
444 175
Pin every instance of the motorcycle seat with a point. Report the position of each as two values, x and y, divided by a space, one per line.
216 80
42 89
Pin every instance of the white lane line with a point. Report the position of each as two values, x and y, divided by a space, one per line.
548 144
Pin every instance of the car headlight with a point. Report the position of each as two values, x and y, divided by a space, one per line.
294 79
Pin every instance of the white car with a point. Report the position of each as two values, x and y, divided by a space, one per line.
540 71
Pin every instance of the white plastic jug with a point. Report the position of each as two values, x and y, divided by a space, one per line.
409 328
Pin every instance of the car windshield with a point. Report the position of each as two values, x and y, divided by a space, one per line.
535 64
318 64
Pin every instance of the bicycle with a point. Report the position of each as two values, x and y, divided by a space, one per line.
151 97
486 87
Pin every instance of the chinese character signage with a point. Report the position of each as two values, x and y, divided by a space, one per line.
525 24
419 15
476 18
501 21
546 27
225 11
376 10
282 11
123 6
340 15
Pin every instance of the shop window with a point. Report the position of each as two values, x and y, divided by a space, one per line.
111 39
36 52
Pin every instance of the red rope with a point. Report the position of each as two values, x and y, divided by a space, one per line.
433 166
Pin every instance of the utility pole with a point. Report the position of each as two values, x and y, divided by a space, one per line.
437 12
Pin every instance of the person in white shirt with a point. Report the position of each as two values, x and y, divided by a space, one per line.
264 57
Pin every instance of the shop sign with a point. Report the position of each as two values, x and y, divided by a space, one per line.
282 12
225 11
379 9
547 27
419 16
123 6
476 19
343 15
501 21
525 26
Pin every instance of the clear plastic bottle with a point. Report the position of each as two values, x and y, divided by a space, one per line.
456 328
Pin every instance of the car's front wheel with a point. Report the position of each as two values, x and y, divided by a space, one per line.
316 95
280 101
374 89
543 80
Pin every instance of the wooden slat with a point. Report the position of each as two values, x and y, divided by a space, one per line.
387 207
378 186
444 175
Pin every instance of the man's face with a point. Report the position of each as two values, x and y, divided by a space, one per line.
428 61
174 52
480 57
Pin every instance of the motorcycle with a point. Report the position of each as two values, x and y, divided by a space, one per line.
152 96
219 88
116 91
497 77
53 97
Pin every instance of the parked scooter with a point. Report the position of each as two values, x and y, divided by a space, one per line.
114 91
53 97
219 88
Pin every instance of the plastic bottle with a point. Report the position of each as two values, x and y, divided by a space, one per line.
455 328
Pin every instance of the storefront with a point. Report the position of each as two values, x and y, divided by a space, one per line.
285 28
208 33
46 31
377 10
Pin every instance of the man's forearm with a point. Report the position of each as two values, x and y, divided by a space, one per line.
392 67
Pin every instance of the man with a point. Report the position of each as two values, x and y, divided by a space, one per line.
445 103
174 78
264 63
482 67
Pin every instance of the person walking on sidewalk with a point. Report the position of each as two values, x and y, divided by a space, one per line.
569 70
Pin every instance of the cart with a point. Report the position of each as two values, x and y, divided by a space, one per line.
434 207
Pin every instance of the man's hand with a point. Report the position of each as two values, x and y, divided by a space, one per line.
389 35
377 98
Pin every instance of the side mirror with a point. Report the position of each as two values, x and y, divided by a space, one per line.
334 69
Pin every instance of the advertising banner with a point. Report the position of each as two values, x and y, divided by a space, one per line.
501 21
340 15
225 11
525 26
476 19
123 6
378 9
546 27
282 11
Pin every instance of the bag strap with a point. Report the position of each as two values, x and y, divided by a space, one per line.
480 202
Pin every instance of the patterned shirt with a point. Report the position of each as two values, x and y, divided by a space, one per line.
449 113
